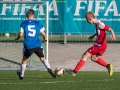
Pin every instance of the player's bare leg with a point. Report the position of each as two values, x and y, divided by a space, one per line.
47 65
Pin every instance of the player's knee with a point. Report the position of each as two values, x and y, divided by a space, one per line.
93 58
42 59
24 61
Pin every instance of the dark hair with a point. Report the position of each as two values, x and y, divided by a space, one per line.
29 13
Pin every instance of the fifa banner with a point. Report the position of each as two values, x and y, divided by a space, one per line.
65 16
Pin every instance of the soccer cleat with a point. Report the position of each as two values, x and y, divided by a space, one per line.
18 73
51 72
70 72
110 69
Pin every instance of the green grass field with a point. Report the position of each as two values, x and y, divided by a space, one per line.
41 80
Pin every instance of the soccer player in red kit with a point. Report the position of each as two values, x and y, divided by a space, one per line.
99 46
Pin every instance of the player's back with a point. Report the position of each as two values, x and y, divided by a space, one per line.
31 33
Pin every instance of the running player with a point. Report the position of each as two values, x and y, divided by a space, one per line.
31 29
99 46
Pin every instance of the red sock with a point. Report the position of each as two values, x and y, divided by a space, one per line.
101 62
79 65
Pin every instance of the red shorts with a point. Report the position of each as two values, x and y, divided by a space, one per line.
97 50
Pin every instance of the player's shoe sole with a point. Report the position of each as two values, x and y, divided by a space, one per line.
18 73
110 69
51 72
70 72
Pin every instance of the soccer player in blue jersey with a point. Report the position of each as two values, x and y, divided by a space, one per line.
31 29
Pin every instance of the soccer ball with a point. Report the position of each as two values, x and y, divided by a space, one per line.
59 71
7 35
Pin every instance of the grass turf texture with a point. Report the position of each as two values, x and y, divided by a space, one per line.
41 80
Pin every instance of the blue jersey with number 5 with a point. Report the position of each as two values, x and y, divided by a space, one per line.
31 29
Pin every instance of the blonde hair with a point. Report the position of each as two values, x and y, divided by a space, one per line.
89 15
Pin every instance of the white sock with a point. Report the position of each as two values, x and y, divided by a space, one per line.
22 69
46 63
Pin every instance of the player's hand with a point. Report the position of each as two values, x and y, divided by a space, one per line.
16 40
113 38
45 39
91 37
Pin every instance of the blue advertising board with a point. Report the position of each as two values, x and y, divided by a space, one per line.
68 16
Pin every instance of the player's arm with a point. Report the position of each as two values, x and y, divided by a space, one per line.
91 37
112 33
19 35
106 27
44 36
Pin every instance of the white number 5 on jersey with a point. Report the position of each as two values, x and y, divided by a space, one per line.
31 30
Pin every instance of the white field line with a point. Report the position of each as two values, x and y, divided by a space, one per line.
36 82
105 80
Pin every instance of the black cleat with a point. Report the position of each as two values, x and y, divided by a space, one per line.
51 72
18 73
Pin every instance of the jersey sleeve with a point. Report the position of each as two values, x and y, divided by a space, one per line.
103 26
42 29
21 28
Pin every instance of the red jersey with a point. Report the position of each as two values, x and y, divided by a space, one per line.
101 33
100 45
